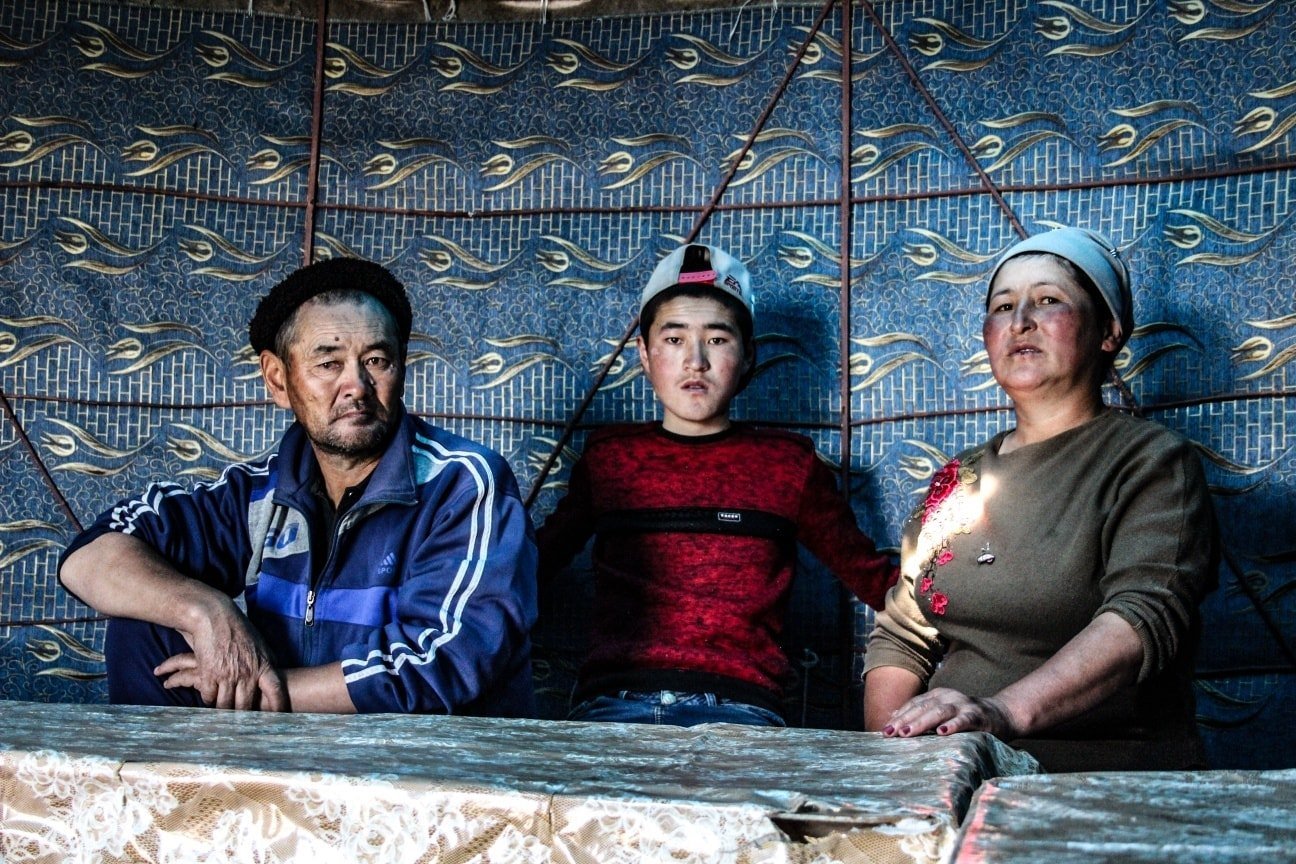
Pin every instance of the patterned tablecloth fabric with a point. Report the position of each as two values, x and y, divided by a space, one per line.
1204 817
101 783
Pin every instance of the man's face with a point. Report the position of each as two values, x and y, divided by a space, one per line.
343 376
694 358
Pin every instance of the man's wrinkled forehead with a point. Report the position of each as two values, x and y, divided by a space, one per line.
329 322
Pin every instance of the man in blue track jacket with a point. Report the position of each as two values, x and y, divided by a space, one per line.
385 565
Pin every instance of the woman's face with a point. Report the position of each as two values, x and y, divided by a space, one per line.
1042 331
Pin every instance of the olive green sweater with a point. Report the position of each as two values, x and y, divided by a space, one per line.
1011 556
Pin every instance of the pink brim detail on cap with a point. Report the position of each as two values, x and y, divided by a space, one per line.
699 276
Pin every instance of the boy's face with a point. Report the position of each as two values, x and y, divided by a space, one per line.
694 358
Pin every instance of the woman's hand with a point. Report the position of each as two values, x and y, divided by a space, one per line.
1101 659
949 711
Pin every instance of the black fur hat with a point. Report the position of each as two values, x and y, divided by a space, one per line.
331 274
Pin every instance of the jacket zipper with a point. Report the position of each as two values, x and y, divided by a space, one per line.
318 578
343 524
353 515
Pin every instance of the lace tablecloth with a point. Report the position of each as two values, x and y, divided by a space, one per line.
101 783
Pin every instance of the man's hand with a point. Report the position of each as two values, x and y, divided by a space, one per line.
230 666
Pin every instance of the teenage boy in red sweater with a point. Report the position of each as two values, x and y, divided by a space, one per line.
696 521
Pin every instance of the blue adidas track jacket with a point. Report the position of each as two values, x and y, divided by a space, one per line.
424 589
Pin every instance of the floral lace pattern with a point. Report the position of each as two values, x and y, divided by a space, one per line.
950 508
90 783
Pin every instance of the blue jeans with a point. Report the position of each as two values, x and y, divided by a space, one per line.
672 708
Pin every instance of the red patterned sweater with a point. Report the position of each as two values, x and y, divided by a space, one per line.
683 599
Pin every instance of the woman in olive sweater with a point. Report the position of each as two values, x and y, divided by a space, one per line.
1050 578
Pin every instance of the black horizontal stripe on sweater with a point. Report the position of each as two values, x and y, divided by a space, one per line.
735 522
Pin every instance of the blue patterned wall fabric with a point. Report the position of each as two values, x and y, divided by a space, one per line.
523 179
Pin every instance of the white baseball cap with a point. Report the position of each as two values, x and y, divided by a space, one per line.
699 264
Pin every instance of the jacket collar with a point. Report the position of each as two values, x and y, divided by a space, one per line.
392 480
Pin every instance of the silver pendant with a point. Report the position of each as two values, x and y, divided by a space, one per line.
986 556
